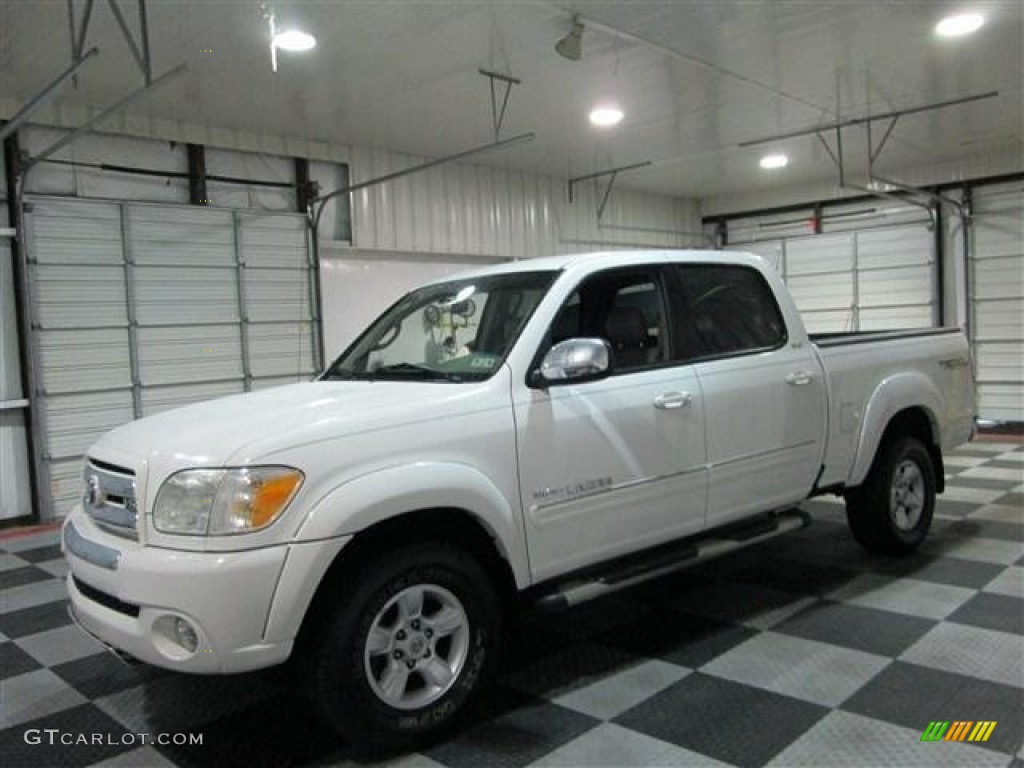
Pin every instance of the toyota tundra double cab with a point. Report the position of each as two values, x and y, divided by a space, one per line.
549 430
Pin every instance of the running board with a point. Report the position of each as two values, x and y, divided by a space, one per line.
634 569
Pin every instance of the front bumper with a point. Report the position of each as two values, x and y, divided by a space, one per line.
130 596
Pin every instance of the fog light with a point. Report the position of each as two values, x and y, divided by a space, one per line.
186 635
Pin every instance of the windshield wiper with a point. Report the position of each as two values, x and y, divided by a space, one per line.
415 370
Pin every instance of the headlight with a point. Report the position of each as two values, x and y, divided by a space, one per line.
214 502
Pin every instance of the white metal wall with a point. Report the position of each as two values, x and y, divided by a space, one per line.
483 211
139 308
873 267
997 300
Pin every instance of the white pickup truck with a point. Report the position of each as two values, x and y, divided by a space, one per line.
552 430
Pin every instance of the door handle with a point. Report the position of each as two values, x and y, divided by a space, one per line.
799 378
672 400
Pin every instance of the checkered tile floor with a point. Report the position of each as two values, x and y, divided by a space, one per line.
804 651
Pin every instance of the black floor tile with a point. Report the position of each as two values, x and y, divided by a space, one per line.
39 618
19 577
912 696
800 578
985 529
725 720
514 739
92 734
41 555
992 611
102 674
864 629
1002 464
954 571
1011 500
14 661
959 509
679 638
281 732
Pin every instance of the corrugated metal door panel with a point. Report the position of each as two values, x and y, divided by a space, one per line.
280 349
894 247
74 421
158 399
279 295
817 292
65 232
997 300
72 297
899 286
894 318
72 361
65 484
769 250
185 296
819 255
189 353
278 381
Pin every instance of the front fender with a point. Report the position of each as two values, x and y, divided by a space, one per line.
387 493
892 395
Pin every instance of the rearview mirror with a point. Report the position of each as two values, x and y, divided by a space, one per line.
574 361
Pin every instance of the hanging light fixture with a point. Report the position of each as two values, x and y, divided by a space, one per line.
571 46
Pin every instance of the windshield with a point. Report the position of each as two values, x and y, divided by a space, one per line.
455 331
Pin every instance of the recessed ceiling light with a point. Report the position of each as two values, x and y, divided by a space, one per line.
294 40
771 162
606 115
959 25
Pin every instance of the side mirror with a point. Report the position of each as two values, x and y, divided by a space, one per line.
574 361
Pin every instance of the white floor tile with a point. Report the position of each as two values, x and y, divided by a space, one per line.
970 495
999 512
612 746
33 695
35 541
985 550
911 596
1010 582
822 673
995 473
56 646
613 695
972 651
846 739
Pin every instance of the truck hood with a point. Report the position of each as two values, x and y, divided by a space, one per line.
240 429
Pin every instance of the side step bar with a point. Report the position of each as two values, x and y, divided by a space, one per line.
634 569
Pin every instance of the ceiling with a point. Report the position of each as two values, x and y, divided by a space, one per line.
695 79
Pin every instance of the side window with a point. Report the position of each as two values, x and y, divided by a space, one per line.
625 307
728 310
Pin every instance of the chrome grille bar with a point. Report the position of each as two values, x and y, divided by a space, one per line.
109 498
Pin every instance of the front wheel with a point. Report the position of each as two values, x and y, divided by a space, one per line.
407 647
892 511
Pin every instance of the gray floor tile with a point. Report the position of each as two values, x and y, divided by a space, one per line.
612 746
14 661
144 757
728 721
19 577
806 669
611 696
982 653
34 694
56 568
845 739
989 611
34 541
754 605
912 696
986 550
575 667
971 574
909 596
31 595
56 646
1000 513
852 626
1009 582
9 562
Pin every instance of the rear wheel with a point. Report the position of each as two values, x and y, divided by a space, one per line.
892 511
397 662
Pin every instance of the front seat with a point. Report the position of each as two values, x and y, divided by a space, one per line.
626 331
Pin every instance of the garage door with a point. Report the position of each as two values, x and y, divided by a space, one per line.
997 300
872 267
140 308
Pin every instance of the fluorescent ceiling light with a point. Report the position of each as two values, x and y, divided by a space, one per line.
771 162
959 25
606 115
294 40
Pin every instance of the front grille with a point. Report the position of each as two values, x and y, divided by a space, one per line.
109 498
105 599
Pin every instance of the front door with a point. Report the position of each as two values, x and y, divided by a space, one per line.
611 466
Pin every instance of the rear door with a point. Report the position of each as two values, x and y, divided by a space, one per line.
764 394
611 466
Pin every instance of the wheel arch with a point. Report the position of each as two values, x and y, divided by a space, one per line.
903 406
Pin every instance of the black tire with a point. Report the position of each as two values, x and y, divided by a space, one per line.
892 511
350 684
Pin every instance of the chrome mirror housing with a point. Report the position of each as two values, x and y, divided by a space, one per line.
573 361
